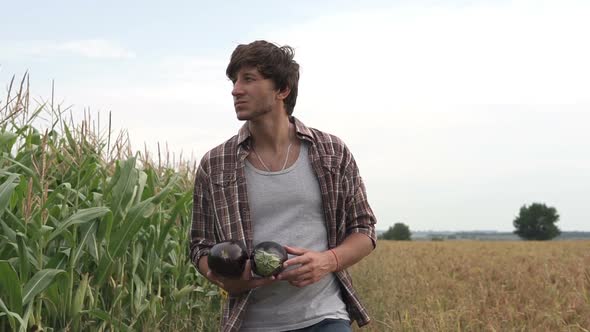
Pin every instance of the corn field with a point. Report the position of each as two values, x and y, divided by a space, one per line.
92 237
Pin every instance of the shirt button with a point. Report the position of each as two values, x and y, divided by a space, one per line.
333 169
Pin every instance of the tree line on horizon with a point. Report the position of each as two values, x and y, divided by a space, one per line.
534 222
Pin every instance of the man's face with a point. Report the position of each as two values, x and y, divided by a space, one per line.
253 94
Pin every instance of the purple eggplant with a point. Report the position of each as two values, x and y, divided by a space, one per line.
228 259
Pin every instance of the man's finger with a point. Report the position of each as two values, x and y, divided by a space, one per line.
297 260
212 276
247 274
292 274
255 283
214 279
295 250
303 277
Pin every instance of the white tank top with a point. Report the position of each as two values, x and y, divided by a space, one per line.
286 207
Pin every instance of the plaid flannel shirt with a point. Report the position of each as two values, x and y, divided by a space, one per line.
221 212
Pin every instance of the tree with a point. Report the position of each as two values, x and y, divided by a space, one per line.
537 222
398 231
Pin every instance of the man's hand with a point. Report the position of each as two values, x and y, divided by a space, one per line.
238 286
314 266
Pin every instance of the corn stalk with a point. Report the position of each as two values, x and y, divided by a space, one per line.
92 237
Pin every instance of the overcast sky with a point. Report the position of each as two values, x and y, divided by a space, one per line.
458 112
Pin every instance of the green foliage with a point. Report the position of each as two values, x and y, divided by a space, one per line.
536 222
92 237
399 232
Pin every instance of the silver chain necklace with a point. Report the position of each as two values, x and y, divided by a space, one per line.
262 162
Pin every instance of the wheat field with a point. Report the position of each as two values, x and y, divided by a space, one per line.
476 286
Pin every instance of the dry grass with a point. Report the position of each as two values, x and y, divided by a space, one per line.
476 286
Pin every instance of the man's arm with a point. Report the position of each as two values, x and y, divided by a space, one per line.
360 218
203 238
315 265
202 234
358 243
355 247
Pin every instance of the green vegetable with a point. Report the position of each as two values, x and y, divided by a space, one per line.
268 258
266 263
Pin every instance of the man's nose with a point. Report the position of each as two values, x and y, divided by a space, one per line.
237 90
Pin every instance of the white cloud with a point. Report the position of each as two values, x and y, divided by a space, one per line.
88 48
186 102
500 54
176 82
95 48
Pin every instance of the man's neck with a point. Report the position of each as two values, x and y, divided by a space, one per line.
271 133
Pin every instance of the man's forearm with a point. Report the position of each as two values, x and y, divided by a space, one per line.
354 248
203 266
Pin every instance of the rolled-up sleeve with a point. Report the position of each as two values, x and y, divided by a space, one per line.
359 215
202 234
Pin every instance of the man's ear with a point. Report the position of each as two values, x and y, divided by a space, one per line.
284 93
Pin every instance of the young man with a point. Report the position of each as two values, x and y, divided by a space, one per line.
278 180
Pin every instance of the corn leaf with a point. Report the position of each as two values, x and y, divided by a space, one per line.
6 190
92 244
28 171
10 287
8 231
82 216
104 229
11 316
23 256
87 231
132 224
38 283
79 296
179 294
159 197
7 139
105 267
123 191
141 185
104 316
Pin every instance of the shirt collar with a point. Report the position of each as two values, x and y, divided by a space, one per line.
243 134
301 129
